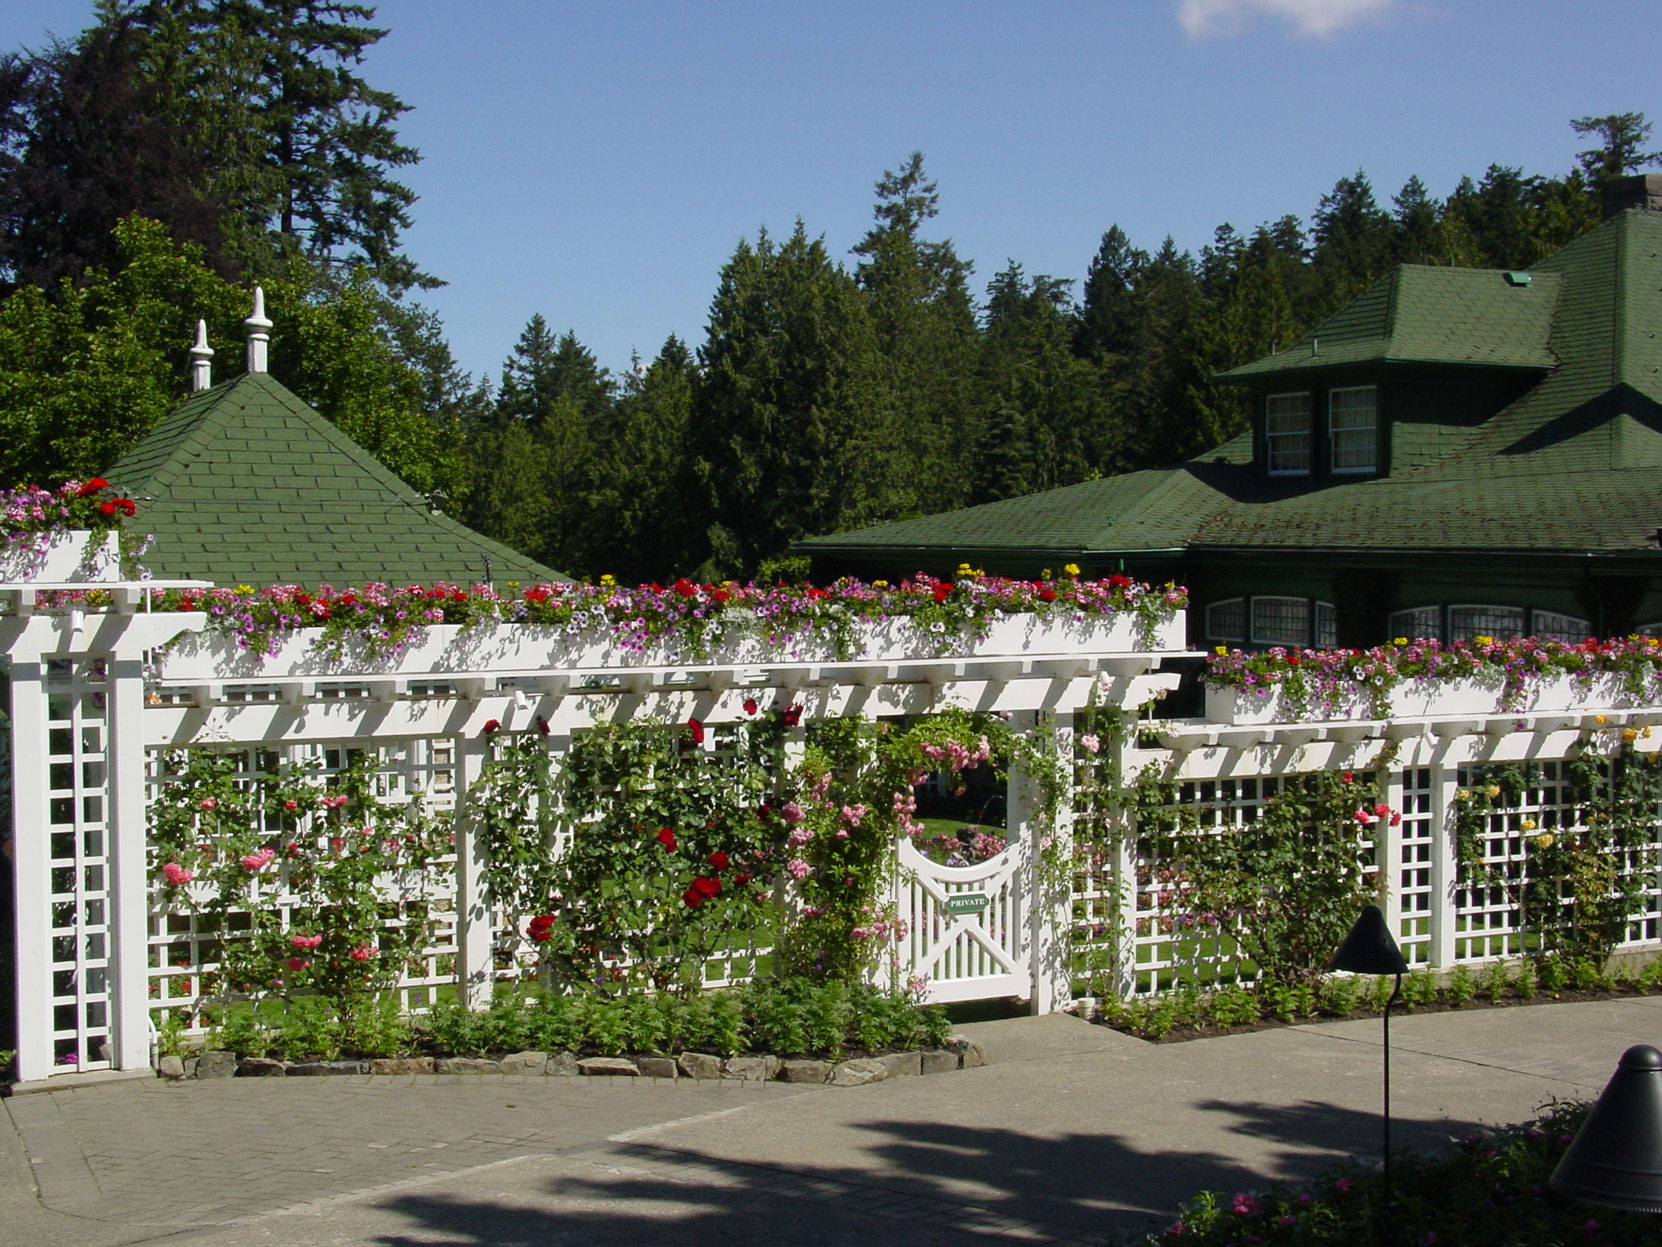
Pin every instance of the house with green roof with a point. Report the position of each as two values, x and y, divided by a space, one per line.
1456 452
244 483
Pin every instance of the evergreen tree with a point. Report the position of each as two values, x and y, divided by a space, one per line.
1414 222
788 421
639 504
83 144
1352 236
1102 327
543 370
1621 136
918 295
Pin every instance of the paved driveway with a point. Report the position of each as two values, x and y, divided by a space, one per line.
1070 1134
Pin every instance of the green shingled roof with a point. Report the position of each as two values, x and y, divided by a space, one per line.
1418 314
1572 464
245 484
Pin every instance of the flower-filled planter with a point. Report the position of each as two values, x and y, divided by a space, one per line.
377 630
67 556
1424 679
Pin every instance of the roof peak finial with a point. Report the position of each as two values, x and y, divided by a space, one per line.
201 360
259 333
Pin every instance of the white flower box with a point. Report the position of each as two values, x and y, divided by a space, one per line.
68 556
1478 696
447 648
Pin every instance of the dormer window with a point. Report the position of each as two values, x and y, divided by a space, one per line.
1287 434
1353 429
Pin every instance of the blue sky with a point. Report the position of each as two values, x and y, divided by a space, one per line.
598 162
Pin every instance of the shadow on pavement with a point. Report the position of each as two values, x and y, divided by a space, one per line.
928 1182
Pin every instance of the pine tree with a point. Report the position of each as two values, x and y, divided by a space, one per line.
1621 136
788 421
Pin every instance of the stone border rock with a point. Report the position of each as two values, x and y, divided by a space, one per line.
960 1053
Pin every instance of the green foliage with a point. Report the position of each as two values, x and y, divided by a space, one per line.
1489 1190
311 1031
1286 887
1496 982
1341 994
238 1032
379 1029
1419 989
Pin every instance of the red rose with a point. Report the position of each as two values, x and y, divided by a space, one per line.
693 897
492 725
792 715
542 726
740 880
697 731
666 837
718 859
750 705
706 885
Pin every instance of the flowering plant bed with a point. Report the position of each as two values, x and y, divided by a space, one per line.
1488 1190
1482 676
609 625
62 534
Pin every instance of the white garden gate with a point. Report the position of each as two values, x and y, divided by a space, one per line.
967 929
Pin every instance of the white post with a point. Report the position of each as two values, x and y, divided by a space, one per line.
129 880
1444 864
475 931
1388 857
31 872
1047 915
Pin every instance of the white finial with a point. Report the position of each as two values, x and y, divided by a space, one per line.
259 333
201 360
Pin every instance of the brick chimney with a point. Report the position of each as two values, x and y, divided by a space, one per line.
1642 190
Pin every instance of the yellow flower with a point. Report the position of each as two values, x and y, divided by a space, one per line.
1544 840
1401 640
1463 795
880 584
1630 734
1493 790
1601 719
245 590
1072 569
1223 650
608 581
1528 824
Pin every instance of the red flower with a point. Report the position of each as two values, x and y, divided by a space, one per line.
718 596
1047 595
542 726
706 885
750 705
718 859
541 928
697 731
126 506
792 715
92 486
107 508
686 588
666 837
693 897
492 725
941 592
740 880
1347 778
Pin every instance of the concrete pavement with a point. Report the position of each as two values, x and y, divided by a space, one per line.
1072 1133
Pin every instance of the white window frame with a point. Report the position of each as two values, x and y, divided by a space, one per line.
1213 633
1272 436
1347 437
1258 638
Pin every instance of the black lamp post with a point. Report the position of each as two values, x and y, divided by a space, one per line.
1616 1158
1369 949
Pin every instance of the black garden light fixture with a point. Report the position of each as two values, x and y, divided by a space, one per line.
1616 1158
1369 949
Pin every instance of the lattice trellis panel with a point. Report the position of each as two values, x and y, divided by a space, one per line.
184 958
78 805
1415 884
1489 921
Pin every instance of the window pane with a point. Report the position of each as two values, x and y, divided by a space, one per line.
1423 623
1287 433
1327 625
1226 620
1466 622
1352 422
1281 621
1551 626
